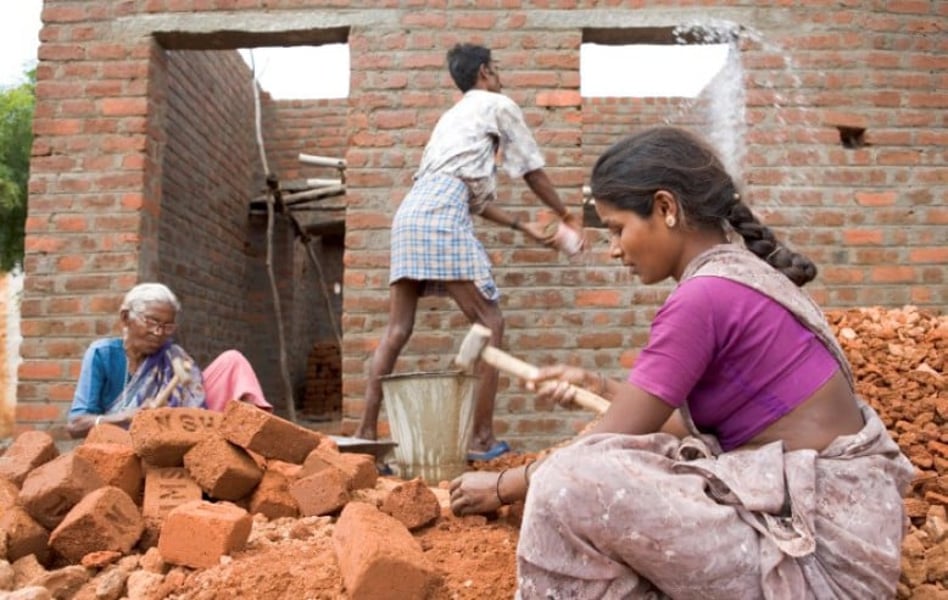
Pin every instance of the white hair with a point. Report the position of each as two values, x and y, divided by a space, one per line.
144 294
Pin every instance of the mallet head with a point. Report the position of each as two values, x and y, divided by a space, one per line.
472 346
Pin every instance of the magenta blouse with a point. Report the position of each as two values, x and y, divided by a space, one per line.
738 358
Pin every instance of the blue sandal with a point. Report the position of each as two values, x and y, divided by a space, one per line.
498 449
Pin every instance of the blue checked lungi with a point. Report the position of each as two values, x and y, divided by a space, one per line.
433 238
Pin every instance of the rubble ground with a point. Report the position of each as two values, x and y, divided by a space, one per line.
283 535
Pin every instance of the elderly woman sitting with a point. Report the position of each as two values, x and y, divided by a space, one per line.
120 375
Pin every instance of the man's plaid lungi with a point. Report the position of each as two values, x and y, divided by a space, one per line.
433 238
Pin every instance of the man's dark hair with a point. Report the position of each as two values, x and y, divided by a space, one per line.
464 61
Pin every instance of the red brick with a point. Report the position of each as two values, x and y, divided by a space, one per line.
863 237
224 471
559 98
359 469
162 436
835 118
8 494
937 255
167 488
413 503
198 533
272 497
120 107
266 434
321 493
107 433
117 465
23 534
52 489
106 519
876 198
26 570
37 413
371 548
28 451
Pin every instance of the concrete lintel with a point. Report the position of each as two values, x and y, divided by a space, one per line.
651 18
251 27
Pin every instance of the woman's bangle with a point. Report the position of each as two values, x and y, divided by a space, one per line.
602 384
515 224
497 489
97 420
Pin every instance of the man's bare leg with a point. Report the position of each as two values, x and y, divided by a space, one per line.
479 309
403 300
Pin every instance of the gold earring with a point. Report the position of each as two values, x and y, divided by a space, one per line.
670 221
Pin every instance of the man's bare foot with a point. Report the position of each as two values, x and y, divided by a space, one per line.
366 434
482 445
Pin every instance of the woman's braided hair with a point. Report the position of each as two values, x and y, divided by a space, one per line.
628 174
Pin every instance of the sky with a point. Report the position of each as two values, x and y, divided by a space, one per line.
645 70
19 32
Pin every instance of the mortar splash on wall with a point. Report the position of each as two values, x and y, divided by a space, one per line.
11 293
724 98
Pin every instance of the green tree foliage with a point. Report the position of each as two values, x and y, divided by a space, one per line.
16 139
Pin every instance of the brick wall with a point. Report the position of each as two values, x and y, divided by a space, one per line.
209 164
873 216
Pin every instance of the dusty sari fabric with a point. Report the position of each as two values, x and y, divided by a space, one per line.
154 374
652 516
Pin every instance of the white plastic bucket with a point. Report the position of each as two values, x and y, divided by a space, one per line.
431 417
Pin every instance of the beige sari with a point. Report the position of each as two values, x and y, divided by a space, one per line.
652 516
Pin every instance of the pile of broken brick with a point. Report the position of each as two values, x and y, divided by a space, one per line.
186 482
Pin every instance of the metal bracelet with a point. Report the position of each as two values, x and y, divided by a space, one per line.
497 488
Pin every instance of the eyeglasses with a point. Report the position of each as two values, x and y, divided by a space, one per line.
155 326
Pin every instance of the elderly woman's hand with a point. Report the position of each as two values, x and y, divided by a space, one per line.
474 493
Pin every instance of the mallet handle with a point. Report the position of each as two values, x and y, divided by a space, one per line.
516 367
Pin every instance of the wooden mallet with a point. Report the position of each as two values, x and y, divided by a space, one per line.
182 376
476 346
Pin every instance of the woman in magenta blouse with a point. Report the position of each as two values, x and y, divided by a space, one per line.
735 460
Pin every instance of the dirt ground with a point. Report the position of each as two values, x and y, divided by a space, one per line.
899 360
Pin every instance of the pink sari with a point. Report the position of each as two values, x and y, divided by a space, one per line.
230 377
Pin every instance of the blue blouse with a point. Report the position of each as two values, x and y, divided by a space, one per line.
103 376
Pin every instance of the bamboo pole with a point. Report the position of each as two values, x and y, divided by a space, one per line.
272 197
322 161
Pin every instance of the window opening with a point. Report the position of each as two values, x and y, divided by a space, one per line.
301 72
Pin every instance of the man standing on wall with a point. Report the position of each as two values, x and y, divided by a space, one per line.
434 249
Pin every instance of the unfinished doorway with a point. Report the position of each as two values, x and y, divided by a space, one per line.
211 242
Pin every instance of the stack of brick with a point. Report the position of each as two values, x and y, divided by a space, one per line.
184 483
323 393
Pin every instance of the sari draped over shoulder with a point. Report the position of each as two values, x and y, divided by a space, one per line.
155 373
653 516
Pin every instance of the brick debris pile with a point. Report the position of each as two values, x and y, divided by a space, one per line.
198 505
136 513
898 360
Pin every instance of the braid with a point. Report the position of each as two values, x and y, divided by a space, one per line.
759 239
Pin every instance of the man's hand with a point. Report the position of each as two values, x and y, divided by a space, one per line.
538 232
575 223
